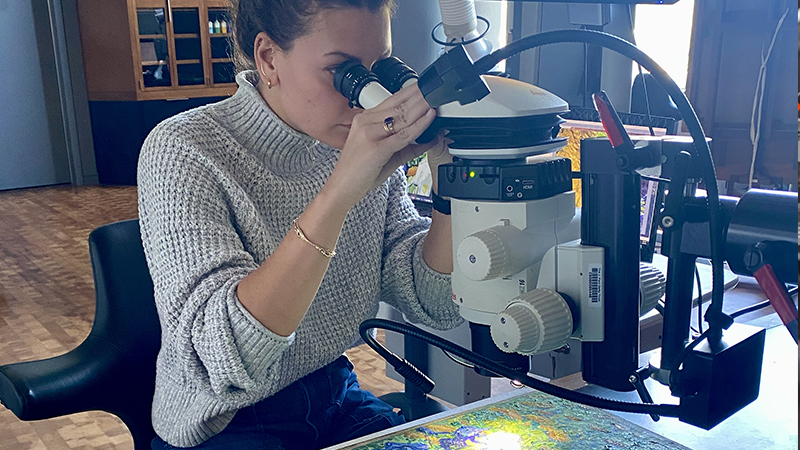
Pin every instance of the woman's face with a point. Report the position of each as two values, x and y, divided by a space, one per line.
304 96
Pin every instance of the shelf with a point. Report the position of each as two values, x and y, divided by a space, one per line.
130 43
221 60
226 89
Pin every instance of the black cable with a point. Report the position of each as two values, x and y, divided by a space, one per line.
644 83
699 300
699 329
757 306
456 360
646 102
716 319
630 23
480 360
685 352
586 83
749 309
651 178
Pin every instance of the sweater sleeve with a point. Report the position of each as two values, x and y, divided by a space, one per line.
407 283
196 259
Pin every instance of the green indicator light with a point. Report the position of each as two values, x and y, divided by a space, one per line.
472 174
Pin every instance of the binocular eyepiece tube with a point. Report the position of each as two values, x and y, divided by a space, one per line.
367 89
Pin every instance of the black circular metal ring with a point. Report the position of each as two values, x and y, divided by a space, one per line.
453 44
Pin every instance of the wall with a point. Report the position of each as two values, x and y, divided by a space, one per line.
559 68
46 137
32 146
411 32
74 98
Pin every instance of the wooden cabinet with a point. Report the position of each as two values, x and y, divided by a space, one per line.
156 49
144 61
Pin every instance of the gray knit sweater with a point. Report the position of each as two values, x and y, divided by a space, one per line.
219 187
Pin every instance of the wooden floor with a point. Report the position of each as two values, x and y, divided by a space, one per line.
47 303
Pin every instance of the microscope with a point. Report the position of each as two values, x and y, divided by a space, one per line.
531 272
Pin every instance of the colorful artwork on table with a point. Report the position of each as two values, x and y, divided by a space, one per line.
530 421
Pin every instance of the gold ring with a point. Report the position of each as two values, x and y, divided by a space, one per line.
388 125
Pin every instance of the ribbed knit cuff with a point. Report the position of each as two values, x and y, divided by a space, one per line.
258 346
435 293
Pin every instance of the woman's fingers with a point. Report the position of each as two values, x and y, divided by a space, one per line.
405 107
383 124
400 96
407 135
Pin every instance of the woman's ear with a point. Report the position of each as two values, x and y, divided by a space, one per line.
264 57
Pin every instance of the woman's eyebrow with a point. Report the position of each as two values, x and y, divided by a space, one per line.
343 55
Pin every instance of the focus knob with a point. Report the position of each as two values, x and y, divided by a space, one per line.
535 322
483 255
652 285
495 252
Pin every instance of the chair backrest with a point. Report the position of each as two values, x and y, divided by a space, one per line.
657 98
126 318
112 370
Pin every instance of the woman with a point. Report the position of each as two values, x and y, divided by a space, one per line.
268 245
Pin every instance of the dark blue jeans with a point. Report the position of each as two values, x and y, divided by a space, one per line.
321 409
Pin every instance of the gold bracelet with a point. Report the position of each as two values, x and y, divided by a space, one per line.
325 252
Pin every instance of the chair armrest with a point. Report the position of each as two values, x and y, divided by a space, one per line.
76 381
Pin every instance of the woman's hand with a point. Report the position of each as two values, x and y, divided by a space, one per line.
372 153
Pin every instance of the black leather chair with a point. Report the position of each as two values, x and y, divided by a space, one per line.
113 370
659 101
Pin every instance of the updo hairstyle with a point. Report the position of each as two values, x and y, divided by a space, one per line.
283 20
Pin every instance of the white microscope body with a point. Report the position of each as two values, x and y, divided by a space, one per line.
517 268
510 273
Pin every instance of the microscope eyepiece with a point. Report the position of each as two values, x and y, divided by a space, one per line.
350 79
363 88
367 88
393 73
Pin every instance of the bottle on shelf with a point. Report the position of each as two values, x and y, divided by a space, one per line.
210 27
217 27
224 27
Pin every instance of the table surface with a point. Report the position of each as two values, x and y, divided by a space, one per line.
521 419
771 422
730 279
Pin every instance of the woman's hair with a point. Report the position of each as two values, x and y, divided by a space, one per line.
283 20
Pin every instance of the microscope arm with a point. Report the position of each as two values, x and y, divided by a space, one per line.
702 151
